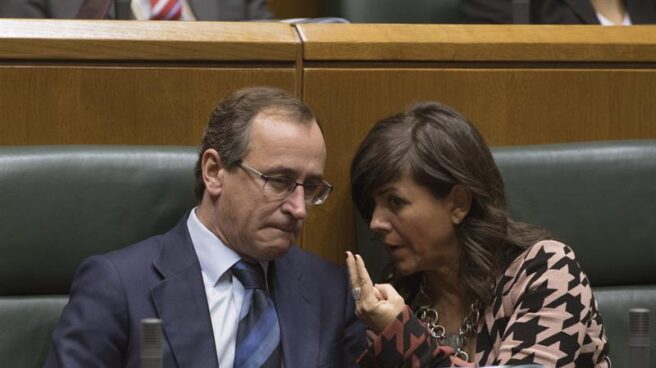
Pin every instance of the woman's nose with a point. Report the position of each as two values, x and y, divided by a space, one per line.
378 223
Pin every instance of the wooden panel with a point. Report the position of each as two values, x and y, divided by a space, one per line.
146 40
118 105
509 106
411 42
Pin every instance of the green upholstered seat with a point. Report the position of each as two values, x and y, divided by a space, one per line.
60 204
600 199
394 11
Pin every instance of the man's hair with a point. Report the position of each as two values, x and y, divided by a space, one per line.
228 129
436 147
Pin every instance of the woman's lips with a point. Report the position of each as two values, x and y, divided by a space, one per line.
393 248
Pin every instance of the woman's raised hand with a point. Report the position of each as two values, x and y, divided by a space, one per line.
376 305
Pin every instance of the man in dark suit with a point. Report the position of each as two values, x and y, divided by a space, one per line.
220 10
258 174
554 11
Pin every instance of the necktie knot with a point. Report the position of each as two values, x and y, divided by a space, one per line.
165 9
249 274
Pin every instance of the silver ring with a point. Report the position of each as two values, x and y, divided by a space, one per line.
356 293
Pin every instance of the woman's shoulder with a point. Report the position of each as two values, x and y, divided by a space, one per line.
553 248
542 256
545 249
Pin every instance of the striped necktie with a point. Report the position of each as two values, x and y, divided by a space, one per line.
258 333
165 10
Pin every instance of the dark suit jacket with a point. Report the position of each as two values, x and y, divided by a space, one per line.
552 11
223 10
161 277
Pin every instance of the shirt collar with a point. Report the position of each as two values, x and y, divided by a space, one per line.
214 256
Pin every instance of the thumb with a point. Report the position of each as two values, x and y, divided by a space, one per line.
387 291
378 295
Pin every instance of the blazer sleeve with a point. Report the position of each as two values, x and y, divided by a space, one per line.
92 331
554 311
405 342
23 9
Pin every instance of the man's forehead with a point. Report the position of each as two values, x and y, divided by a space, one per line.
270 125
280 146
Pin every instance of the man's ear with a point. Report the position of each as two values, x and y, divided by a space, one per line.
213 172
460 199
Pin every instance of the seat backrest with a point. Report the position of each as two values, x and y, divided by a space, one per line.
60 204
599 198
395 11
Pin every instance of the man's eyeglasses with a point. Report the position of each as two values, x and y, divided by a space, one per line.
280 187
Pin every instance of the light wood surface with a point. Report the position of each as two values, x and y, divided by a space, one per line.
146 40
413 42
131 82
509 106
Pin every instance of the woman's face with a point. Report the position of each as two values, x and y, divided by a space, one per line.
417 228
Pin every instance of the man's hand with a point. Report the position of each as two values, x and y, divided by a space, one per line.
376 305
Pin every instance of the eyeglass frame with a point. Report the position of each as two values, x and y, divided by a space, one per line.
267 178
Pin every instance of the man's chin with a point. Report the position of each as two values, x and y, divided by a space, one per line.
276 250
274 243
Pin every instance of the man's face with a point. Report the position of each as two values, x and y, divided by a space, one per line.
253 224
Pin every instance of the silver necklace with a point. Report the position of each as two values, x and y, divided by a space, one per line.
429 317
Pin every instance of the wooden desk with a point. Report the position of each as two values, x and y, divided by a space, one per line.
130 82
518 84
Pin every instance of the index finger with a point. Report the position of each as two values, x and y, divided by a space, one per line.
352 270
363 276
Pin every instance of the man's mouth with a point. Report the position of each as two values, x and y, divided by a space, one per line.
286 228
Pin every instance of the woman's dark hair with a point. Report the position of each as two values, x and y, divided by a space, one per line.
438 148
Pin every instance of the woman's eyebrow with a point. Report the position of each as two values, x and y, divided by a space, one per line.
386 189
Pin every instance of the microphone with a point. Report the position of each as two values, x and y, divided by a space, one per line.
639 345
151 343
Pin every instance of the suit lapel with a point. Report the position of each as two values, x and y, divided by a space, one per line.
584 10
295 298
181 302
204 9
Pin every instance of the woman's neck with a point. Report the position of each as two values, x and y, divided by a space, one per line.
447 294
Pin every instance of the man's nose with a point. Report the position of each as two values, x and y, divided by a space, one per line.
295 203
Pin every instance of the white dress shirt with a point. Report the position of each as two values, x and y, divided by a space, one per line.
225 294
607 22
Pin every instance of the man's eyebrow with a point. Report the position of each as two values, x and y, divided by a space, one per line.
285 171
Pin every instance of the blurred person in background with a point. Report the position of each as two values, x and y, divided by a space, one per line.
604 12
219 10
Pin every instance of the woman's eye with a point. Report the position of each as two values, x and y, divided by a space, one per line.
395 202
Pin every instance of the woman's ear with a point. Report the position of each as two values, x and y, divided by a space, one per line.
460 198
213 171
